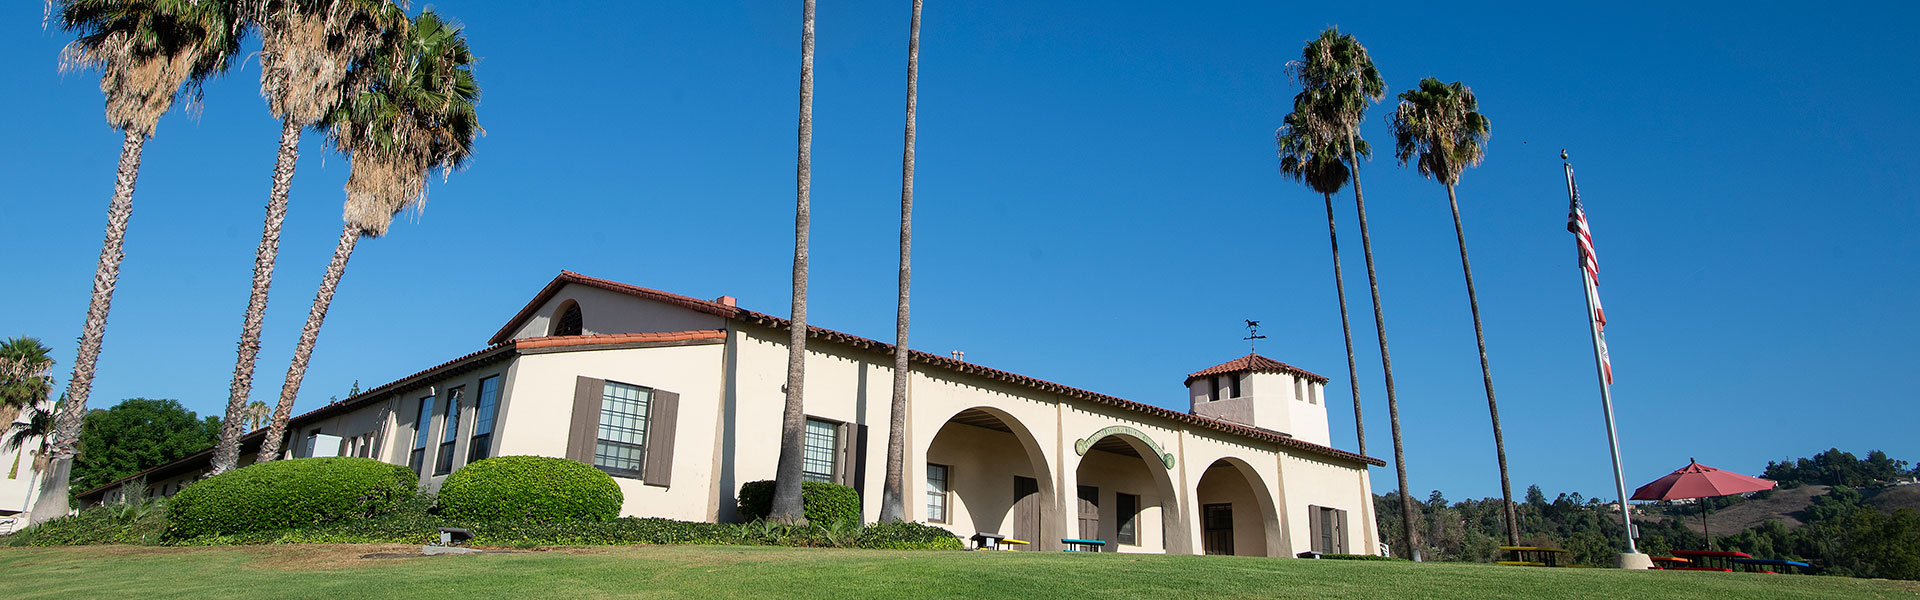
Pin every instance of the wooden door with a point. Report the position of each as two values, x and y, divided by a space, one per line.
1026 510
1089 512
1217 528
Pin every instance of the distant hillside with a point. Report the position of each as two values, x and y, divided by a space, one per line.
1786 506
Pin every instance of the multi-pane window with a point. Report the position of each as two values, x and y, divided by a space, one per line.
420 426
622 447
937 493
484 411
822 447
449 433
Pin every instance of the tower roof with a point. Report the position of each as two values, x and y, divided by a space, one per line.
1253 363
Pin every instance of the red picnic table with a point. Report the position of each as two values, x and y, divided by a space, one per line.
1708 560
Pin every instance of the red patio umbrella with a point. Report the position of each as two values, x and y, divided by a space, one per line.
1700 481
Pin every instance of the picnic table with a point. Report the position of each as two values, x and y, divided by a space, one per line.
1768 565
1074 545
1708 560
1530 556
1669 562
987 541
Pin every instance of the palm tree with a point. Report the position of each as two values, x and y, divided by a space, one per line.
306 50
1441 124
893 493
36 429
418 115
1343 81
787 507
258 414
149 53
24 376
1319 162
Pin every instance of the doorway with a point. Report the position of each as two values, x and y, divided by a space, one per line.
1026 509
1216 528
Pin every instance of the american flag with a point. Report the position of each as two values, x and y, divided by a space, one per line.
1577 224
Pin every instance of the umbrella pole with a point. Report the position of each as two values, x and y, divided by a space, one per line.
1704 509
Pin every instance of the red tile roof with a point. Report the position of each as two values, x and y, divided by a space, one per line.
618 338
960 366
1254 363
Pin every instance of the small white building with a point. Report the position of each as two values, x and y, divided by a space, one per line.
680 400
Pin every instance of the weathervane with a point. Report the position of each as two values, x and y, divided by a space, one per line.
1253 335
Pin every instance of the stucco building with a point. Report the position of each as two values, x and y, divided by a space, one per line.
680 399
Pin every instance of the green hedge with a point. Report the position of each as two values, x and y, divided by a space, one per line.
824 503
530 489
141 524
287 494
908 536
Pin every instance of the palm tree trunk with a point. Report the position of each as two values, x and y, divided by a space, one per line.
787 507
1486 374
309 336
66 424
1346 329
893 493
1386 361
227 453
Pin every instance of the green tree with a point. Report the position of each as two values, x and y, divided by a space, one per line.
1439 127
149 53
787 508
25 376
418 115
1318 160
135 435
307 48
1339 76
893 490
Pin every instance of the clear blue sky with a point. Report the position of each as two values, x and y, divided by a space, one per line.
1097 206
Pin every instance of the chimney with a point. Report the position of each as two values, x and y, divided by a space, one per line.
959 355
728 301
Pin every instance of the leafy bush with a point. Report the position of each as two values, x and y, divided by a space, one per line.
907 536
409 522
530 489
134 519
286 494
824 503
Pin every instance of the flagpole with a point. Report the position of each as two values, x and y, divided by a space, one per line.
1606 392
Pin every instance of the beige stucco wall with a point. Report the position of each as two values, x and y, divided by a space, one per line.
981 466
1314 481
537 415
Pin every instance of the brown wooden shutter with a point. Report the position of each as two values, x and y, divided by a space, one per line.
1340 531
860 460
585 431
1316 541
663 417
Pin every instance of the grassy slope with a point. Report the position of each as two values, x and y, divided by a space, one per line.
722 571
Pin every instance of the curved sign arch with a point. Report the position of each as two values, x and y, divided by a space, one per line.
1083 445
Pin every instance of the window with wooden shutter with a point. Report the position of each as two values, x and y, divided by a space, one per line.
624 429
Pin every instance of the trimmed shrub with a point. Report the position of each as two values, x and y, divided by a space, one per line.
286 494
824 503
535 489
907 536
137 523
409 522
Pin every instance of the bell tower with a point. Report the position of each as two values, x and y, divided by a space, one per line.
1261 392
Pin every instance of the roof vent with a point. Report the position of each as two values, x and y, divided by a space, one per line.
728 301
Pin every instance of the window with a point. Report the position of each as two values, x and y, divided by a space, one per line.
1329 529
937 493
420 426
1127 506
1313 393
818 462
622 446
569 321
1299 388
1233 385
484 411
449 433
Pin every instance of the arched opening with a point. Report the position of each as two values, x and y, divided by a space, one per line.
1125 497
1236 514
985 473
567 319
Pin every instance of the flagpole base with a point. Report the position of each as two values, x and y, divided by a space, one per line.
1633 560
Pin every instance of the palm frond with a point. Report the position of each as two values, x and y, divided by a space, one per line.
1438 127
149 52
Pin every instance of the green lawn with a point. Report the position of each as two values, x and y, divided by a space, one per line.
728 571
